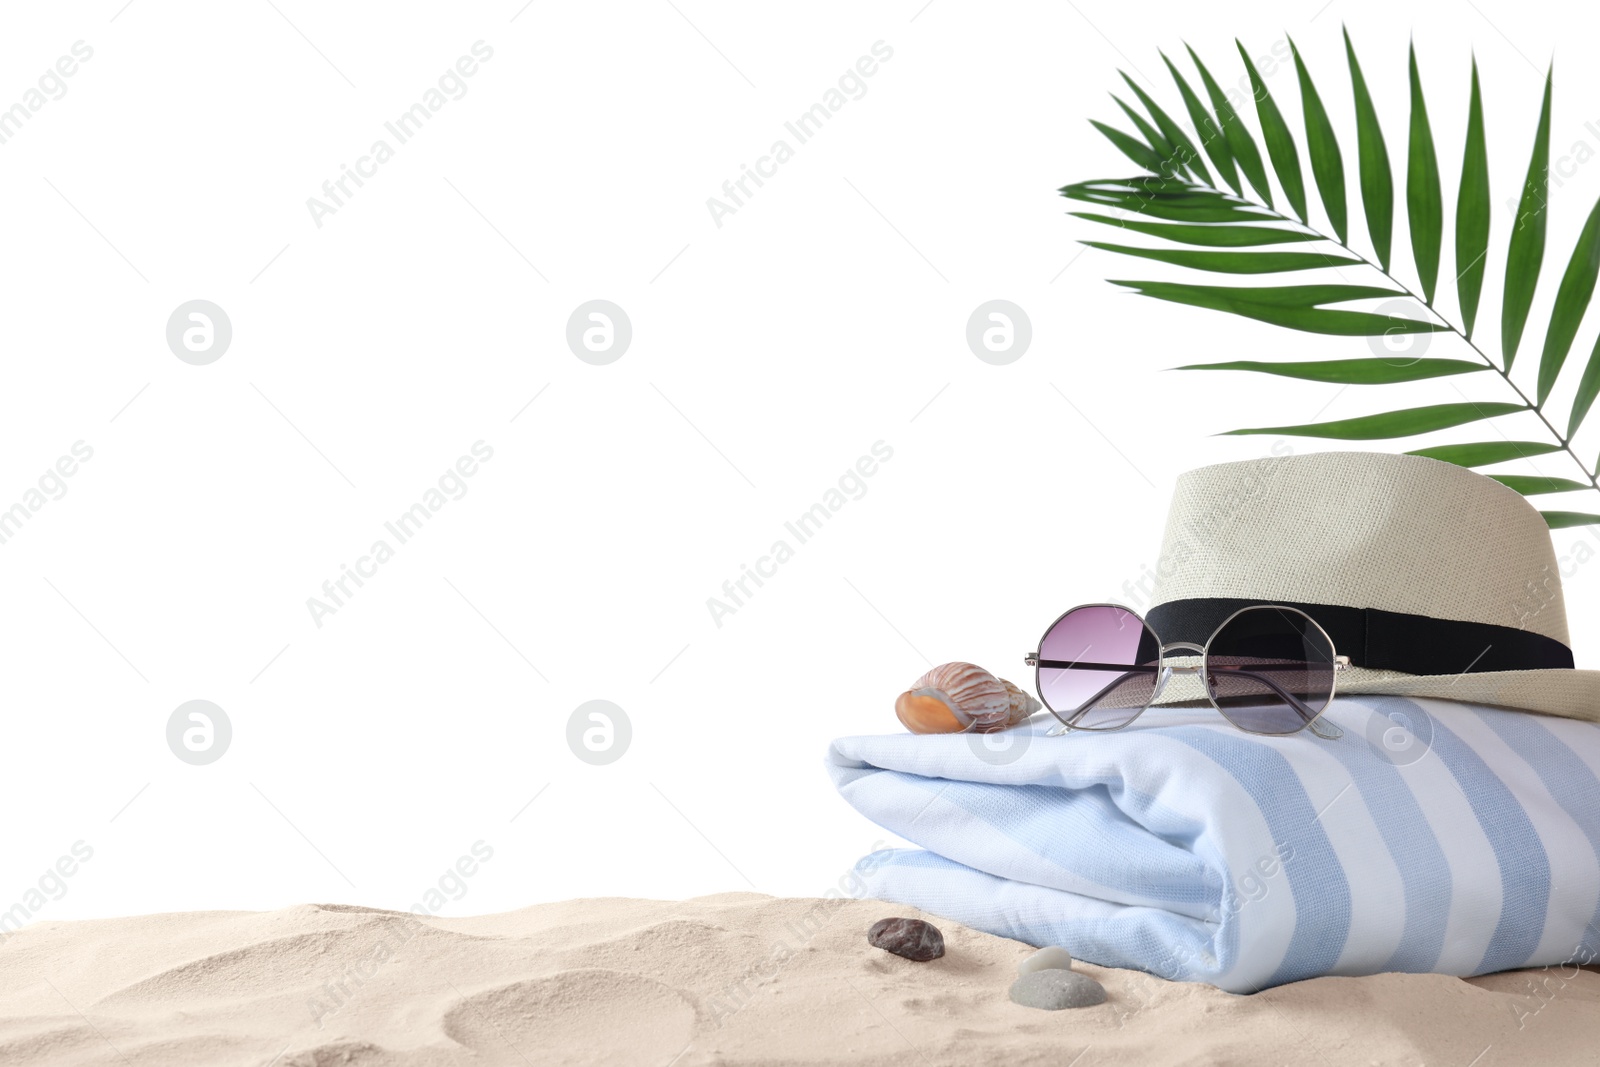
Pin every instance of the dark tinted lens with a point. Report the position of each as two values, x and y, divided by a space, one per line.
1270 670
1097 667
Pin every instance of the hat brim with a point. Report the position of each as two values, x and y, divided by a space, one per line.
1570 694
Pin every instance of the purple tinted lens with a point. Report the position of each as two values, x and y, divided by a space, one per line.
1270 670
1097 667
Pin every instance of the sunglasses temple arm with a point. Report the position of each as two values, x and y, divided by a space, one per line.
1092 701
1293 701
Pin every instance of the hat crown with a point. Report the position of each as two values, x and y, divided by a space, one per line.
1364 530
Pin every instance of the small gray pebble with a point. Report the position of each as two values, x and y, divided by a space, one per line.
1053 990
911 939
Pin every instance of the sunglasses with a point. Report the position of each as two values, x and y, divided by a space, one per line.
1269 669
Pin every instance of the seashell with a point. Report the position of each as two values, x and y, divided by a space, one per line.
1023 704
954 697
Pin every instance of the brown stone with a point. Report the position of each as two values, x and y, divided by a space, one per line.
911 939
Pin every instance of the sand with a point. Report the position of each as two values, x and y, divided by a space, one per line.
730 979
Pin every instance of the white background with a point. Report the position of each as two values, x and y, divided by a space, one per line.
768 354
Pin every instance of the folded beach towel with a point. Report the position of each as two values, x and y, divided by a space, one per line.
1432 836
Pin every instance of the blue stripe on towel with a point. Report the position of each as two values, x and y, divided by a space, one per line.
1524 868
1570 781
1316 878
1424 870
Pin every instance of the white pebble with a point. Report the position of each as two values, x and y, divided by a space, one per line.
1046 959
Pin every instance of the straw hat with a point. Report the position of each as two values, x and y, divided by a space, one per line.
1434 580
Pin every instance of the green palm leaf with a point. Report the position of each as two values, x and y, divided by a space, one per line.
1327 162
1572 299
1281 311
1207 208
1424 203
1301 296
1205 125
1526 253
1152 187
1372 371
1472 212
1211 236
1536 485
1170 212
1158 143
1130 146
1232 262
1377 182
1240 144
1280 142
1390 424
1588 387
1486 453
1561 520
1186 151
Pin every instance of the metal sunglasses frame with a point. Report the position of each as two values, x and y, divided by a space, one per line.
1161 667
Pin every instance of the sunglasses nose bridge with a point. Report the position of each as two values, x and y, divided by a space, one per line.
1180 648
